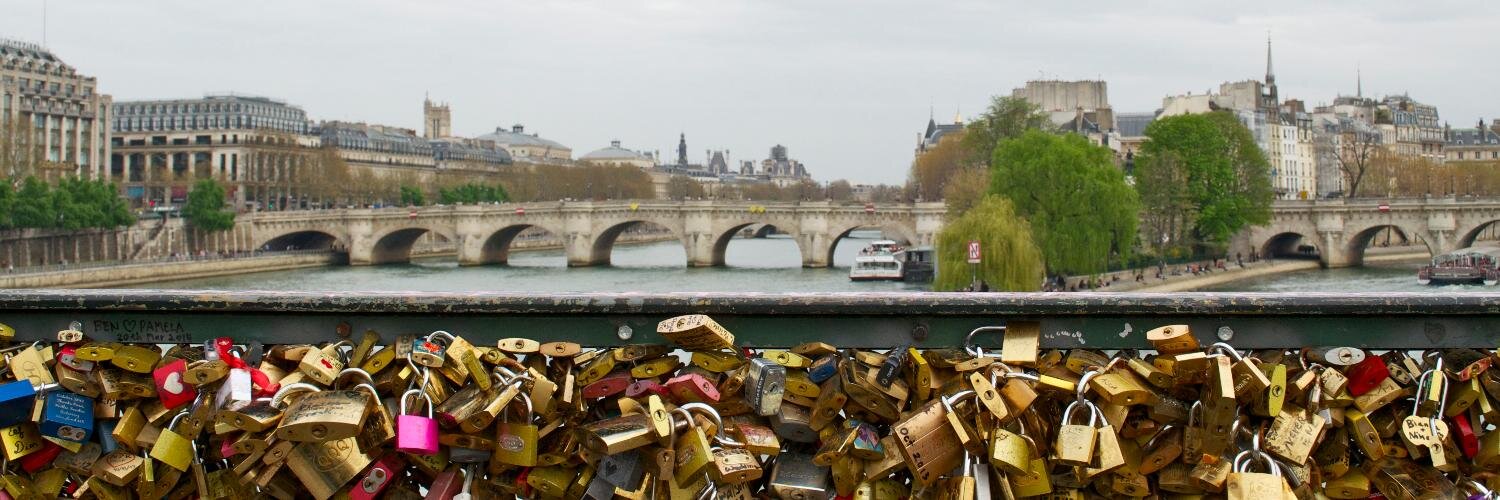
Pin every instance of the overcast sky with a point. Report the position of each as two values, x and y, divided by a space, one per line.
846 85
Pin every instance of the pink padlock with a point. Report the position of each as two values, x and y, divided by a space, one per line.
414 433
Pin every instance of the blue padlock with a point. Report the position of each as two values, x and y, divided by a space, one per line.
68 416
17 400
105 429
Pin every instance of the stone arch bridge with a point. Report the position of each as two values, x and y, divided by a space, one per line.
483 234
1340 230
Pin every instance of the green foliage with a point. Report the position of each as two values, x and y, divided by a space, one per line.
34 207
1202 178
1010 259
205 207
412 196
1007 117
1077 202
74 204
472 192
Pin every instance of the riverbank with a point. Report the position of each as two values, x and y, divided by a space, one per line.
107 275
152 272
1232 273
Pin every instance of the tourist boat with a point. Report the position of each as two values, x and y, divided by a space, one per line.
877 262
1472 265
918 265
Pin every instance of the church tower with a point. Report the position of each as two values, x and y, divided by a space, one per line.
437 120
1270 101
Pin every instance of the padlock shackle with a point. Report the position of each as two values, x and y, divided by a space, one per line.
1151 443
1067 417
353 371
291 388
420 393
1227 349
530 412
973 348
373 392
447 337
957 398
1083 384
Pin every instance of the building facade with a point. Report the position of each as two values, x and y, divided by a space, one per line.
52 112
617 155
255 145
525 147
1472 145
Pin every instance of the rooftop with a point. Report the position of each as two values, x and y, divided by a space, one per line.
517 136
613 152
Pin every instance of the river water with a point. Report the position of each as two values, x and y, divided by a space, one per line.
754 265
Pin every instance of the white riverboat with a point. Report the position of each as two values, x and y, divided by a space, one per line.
881 261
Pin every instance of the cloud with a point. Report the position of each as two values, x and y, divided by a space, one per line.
845 84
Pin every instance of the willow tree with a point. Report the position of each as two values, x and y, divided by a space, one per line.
1080 209
1009 259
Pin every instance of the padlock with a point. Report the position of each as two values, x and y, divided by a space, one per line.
795 476
67 416
427 352
414 433
17 399
1245 485
173 448
324 416
765 382
1011 452
1075 442
172 386
516 442
696 332
927 443
324 467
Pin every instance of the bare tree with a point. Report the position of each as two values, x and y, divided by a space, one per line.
1356 156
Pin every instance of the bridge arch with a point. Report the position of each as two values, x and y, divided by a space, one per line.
890 230
1359 241
604 241
495 248
1472 235
1288 244
725 236
302 239
394 245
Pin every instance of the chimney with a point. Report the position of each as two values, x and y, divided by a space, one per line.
518 128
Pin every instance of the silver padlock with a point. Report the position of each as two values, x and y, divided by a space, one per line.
764 385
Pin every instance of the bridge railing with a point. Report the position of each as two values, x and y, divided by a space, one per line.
868 320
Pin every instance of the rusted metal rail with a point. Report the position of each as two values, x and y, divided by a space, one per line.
870 320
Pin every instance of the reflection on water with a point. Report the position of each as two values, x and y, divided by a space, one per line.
771 264
754 265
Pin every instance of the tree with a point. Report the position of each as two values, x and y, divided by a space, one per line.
1010 259
1358 147
840 190
412 196
1205 173
473 192
1077 202
965 190
1007 117
681 187
930 171
34 207
204 210
20 152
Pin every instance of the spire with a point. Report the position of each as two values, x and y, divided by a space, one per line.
1359 83
1270 75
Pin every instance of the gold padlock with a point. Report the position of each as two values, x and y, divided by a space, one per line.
322 415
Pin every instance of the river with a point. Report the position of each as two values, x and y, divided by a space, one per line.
754 265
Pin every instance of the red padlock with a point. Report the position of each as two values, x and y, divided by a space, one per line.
693 388
67 358
376 478
37 460
447 484
1366 375
643 388
1464 435
173 390
610 385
